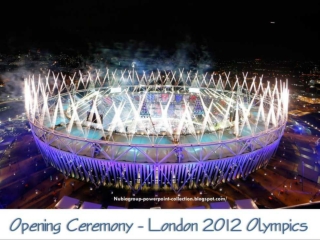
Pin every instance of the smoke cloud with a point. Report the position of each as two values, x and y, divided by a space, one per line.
187 55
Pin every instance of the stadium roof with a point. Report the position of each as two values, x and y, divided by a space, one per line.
220 205
90 205
246 204
67 203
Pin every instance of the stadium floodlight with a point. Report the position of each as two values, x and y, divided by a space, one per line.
194 90
115 90
202 130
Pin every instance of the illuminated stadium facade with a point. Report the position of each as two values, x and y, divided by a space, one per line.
155 130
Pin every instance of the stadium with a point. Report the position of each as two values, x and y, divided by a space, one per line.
153 130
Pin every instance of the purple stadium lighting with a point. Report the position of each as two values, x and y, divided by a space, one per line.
153 130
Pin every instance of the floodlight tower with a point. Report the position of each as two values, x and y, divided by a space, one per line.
133 66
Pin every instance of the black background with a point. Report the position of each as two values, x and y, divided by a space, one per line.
227 29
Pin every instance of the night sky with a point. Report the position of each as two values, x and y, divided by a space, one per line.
227 30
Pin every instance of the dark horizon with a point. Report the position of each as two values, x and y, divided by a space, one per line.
269 31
